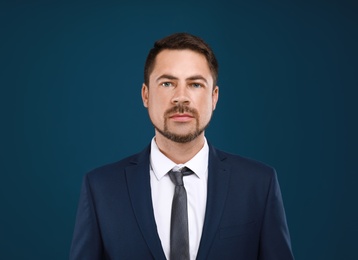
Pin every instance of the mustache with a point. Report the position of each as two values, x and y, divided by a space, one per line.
181 108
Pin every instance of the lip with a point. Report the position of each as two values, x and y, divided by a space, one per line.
181 117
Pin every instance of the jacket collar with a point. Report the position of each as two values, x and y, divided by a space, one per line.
138 181
218 183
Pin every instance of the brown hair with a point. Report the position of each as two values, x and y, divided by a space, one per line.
181 41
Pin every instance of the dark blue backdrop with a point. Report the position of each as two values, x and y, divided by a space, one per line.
70 101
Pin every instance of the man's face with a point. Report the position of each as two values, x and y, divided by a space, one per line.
180 97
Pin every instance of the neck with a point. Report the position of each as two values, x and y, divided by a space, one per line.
179 153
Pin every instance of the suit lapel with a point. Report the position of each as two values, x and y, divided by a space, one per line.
138 180
218 183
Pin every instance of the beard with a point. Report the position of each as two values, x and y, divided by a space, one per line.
181 138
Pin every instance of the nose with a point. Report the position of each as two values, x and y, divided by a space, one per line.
181 95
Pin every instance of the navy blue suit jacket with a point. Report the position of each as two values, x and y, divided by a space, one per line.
244 218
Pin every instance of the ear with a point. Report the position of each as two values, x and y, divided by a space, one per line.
215 96
145 94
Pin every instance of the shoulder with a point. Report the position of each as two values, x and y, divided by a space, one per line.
117 169
243 165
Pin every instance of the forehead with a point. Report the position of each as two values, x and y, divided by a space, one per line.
181 62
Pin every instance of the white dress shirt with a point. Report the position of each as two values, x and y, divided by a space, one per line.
162 190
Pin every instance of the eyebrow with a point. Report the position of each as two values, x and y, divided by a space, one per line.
166 76
197 77
171 77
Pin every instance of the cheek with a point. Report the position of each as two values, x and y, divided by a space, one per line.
206 105
158 101
207 110
156 108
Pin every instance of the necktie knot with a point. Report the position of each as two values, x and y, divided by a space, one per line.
176 175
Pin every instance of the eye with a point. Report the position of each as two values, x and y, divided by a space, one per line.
196 85
167 84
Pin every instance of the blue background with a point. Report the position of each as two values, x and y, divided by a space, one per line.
70 79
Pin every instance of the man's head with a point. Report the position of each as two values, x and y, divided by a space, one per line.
181 41
180 89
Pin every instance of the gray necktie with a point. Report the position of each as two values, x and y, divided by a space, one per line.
179 234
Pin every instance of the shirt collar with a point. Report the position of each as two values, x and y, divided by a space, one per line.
161 164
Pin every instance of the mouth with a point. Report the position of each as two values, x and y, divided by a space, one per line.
181 117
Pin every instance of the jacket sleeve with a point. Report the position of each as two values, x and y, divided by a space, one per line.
275 241
86 242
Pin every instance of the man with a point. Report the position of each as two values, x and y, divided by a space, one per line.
181 198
